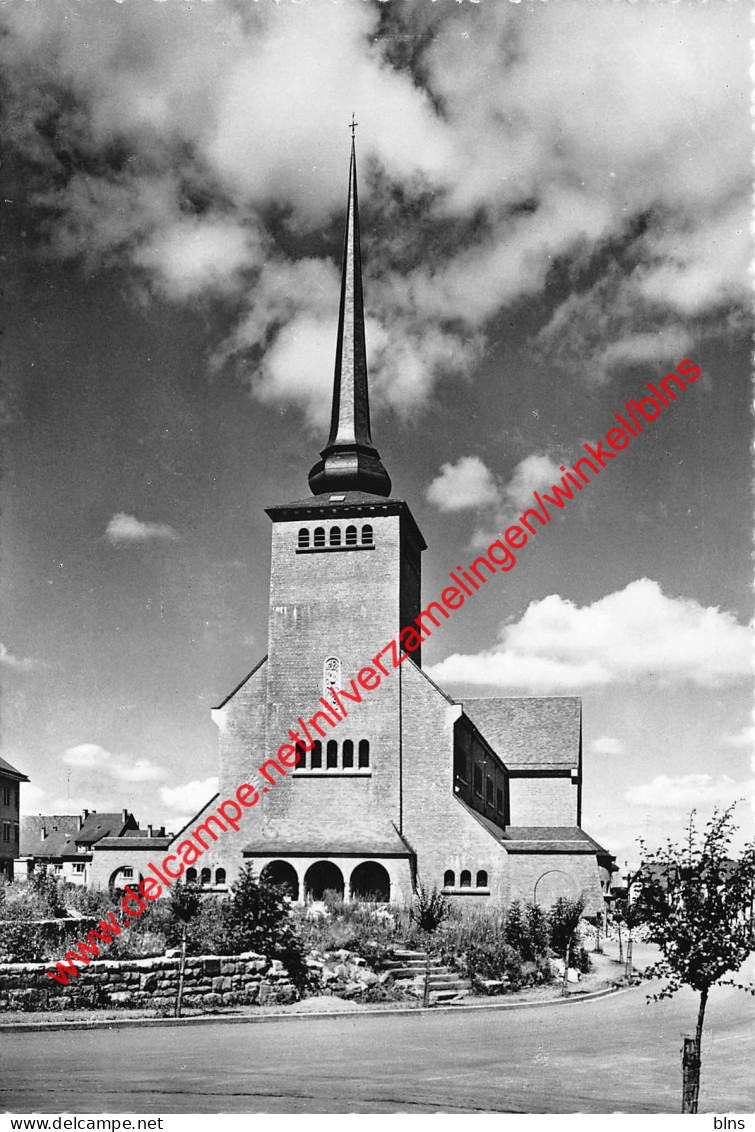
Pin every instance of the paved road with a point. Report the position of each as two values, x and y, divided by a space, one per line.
610 1055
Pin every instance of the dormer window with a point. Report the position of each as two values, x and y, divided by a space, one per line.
303 538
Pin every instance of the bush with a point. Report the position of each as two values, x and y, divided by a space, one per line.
430 909
256 918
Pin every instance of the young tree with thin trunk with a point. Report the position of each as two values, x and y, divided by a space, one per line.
696 901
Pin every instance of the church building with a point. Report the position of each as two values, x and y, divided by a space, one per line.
481 798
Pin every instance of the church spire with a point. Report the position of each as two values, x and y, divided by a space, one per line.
349 460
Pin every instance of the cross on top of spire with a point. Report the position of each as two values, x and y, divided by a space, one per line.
352 126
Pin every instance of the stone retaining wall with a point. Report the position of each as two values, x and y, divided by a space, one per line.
210 982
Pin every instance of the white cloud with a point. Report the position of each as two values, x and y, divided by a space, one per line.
231 161
10 661
141 771
686 792
531 474
462 486
87 756
91 756
634 634
126 529
605 745
191 797
744 739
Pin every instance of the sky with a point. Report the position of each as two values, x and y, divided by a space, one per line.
555 210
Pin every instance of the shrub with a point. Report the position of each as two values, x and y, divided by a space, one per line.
430 909
256 918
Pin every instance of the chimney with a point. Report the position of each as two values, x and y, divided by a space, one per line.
43 832
150 831
124 816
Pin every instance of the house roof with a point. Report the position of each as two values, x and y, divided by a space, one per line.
530 733
62 842
31 831
134 839
6 768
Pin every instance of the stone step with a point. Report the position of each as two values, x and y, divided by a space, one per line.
410 955
412 972
447 980
448 998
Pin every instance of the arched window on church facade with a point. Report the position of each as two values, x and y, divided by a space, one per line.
191 876
316 760
351 536
465 880
303 538
331 675
449 879
367 535
219 876
335 536
348 754
319 539
482 879
206 876
364 754
331 755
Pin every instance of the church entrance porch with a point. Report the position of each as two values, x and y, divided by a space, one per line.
323 877
370 881
353 877
283 874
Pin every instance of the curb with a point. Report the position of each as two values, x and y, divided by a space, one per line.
256 1019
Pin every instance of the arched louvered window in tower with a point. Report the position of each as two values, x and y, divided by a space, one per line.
351 536
316 759
347 756
319 539
364 754
367 535
303 538
331 755
335 536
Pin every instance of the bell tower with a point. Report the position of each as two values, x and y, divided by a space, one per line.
345 569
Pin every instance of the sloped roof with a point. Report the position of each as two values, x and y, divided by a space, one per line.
550 839
288 840
135 839
530 733
6 768
62 842
31 831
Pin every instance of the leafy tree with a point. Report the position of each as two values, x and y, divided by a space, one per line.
696 900
564 921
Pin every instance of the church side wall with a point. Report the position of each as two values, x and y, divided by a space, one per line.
544 877
543 801
443 834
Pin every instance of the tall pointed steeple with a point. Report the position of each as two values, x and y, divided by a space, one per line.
349 461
